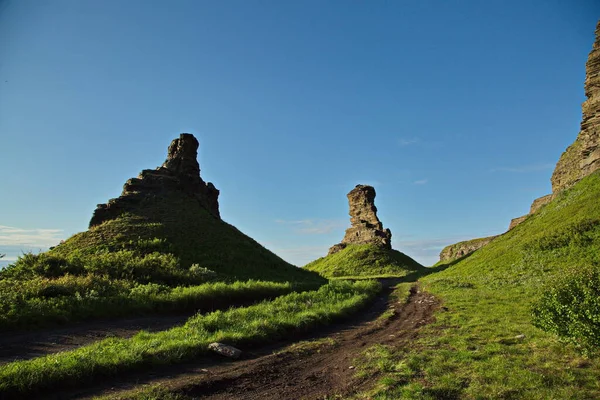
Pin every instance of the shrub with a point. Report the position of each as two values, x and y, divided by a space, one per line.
570 308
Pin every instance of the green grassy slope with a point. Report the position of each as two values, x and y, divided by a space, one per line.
483 344
136 263
175 230
364 260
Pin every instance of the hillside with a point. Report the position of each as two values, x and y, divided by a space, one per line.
366 249
364 260
485 343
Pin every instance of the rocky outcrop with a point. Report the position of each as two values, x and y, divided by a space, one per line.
583 156
179 173
365 225
517 221
461 249
540 202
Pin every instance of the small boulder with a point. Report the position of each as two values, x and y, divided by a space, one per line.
225 350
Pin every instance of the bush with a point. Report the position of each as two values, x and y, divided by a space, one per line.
570 308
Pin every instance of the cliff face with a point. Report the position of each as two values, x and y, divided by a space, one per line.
365 225
583 156
180 172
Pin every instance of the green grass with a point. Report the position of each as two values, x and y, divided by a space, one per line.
267 321
140 262
364 261
43 302
176 224
475 349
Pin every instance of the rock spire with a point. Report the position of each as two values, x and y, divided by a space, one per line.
179 173
365 226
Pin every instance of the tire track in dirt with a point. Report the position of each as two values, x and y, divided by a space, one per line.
288 375
328 372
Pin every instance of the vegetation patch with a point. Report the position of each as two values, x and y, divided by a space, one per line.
266 321
42 302
364 260
570 308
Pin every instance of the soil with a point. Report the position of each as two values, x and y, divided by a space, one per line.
328 372
25 345
277 371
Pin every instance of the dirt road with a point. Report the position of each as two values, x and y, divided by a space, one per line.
283 373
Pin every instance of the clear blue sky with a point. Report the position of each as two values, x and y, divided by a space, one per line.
456 111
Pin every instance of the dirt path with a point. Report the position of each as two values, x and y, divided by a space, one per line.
26 345
319 374
290 375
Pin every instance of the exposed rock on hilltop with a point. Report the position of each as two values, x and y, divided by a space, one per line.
583 156
366 227
462 249
180 172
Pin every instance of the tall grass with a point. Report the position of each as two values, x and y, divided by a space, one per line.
295 312
42 302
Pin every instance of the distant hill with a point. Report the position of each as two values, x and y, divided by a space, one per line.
364 260
366 249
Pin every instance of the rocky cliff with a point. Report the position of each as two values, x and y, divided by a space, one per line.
365 225
583 156
461 249
180 172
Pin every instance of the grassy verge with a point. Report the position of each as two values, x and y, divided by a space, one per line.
483 343
242 326
44 302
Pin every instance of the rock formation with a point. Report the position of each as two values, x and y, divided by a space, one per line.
517 221
462 249
365 226
583 156
179 173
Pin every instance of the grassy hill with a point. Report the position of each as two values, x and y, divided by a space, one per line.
169 254
487 341
160 242
364 260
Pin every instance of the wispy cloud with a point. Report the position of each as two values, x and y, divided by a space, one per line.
524 168
313 226
421 182
407 141
36 237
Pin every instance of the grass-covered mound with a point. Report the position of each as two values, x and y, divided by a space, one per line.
362 260
260 323
132 263
171 240
485 343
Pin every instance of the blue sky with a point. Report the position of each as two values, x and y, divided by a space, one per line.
456 111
